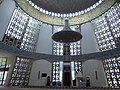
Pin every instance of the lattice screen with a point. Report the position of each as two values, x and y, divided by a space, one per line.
107 31
22 32
21 72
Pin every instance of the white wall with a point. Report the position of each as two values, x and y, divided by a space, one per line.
89 45
44 67
90 68
6 9
10 57
44 44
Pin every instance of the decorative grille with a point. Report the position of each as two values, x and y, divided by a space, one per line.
22 32
107 31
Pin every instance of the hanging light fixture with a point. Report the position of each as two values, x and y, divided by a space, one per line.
66 35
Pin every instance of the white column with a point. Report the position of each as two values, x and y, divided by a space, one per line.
92 68
44 44
6 9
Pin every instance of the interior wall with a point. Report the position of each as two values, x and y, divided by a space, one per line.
10 57
44 44
88 44
91 67
39 67
6 10
94 70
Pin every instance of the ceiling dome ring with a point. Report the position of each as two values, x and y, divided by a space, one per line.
102 8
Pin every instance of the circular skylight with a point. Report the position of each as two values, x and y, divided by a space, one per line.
64 15
85 13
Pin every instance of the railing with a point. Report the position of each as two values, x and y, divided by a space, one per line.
37 56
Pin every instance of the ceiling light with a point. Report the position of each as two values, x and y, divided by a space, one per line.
67 35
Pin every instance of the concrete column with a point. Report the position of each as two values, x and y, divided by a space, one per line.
6 10
44 44
92 68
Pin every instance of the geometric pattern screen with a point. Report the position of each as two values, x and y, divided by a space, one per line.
21 72
107 32
22 32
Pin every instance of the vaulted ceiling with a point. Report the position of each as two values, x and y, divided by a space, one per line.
69 7
64 6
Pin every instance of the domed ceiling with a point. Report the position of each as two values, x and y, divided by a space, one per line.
55 11
64 6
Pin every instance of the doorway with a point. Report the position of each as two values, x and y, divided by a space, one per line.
66 75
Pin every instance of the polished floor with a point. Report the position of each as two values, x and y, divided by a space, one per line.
18 88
